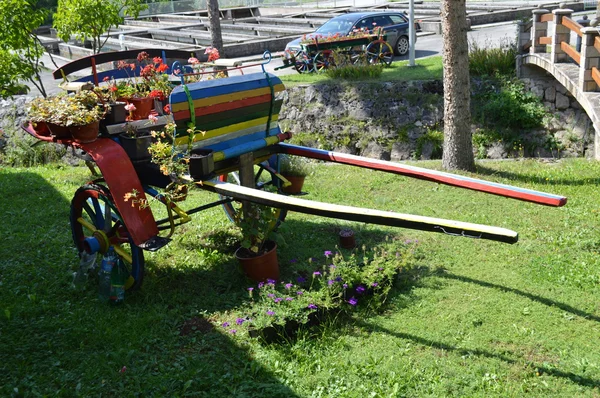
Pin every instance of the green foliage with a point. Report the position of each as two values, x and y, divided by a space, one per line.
493 60
22 150
66 110
257 225
434 137
90 19
295 166
341 283
506 105
20 51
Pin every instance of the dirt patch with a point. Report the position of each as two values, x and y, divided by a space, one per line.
196 324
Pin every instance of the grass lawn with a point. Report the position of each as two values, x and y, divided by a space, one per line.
472 318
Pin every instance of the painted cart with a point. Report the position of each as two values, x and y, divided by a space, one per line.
243 138
318 54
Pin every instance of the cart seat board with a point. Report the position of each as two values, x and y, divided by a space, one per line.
230 112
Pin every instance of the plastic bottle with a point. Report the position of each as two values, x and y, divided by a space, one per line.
117 283
109 261
87 262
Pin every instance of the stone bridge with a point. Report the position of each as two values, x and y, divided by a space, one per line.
546 48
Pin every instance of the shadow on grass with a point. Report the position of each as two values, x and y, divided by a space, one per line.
533 297
575 378
486 171
58 341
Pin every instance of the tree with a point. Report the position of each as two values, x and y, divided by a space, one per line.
215 25
458 145
20 48
90 19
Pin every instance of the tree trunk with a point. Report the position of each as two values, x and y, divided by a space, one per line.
215 25
458 146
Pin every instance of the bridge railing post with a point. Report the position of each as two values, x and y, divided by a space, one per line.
538 29
561 34
590 58
524 36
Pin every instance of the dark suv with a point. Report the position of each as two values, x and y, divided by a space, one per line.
395 25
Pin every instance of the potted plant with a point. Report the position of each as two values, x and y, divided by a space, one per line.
115 109
142 91
75 116
258 246
294 169
136 140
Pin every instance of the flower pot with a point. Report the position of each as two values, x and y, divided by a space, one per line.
347 240
86 133
136 147
260 267
41 128
116 113
143 107
59 131
201 164
297 183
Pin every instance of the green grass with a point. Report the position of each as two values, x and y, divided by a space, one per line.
474 318
425 69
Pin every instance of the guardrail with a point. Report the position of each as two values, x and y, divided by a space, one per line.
550 32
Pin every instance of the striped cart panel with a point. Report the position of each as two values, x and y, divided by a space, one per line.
229 112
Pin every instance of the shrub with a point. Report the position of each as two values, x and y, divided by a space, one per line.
18 150
506 105
490 61
353 67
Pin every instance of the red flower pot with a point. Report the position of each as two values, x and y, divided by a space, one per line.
86 133
143 107
296 187
260 267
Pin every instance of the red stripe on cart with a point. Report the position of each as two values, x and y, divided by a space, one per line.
508 191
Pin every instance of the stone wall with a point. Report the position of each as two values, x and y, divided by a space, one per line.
394 120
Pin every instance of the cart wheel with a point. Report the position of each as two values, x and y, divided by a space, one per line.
355 57
302 63
94 204
380 52
232 208
322 61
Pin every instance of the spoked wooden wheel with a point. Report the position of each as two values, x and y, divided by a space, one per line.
262 179
93 213
302 63
380 52
322 61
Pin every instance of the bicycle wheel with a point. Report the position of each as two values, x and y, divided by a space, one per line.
380 52
93 211
232 208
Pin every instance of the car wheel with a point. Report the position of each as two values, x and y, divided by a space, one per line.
402 45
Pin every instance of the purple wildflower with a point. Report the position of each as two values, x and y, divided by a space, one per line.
261 284
239 321
277 299
250 289
360 289
225 324
345 285
374 284
330 282
332 266
314 259
300 279
294 260
233 331
338 279
270 313
271 281
316 273
288 286
299 293
352 301
327 253
312 306
380 268
271 295
289 298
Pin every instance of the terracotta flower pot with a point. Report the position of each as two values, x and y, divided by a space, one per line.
86 133
347 240
59 131
261 267
297 184
143 107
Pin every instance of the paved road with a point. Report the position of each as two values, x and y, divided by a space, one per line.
428 45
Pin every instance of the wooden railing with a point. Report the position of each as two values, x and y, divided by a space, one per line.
534 39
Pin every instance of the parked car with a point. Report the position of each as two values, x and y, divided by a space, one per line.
394 24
